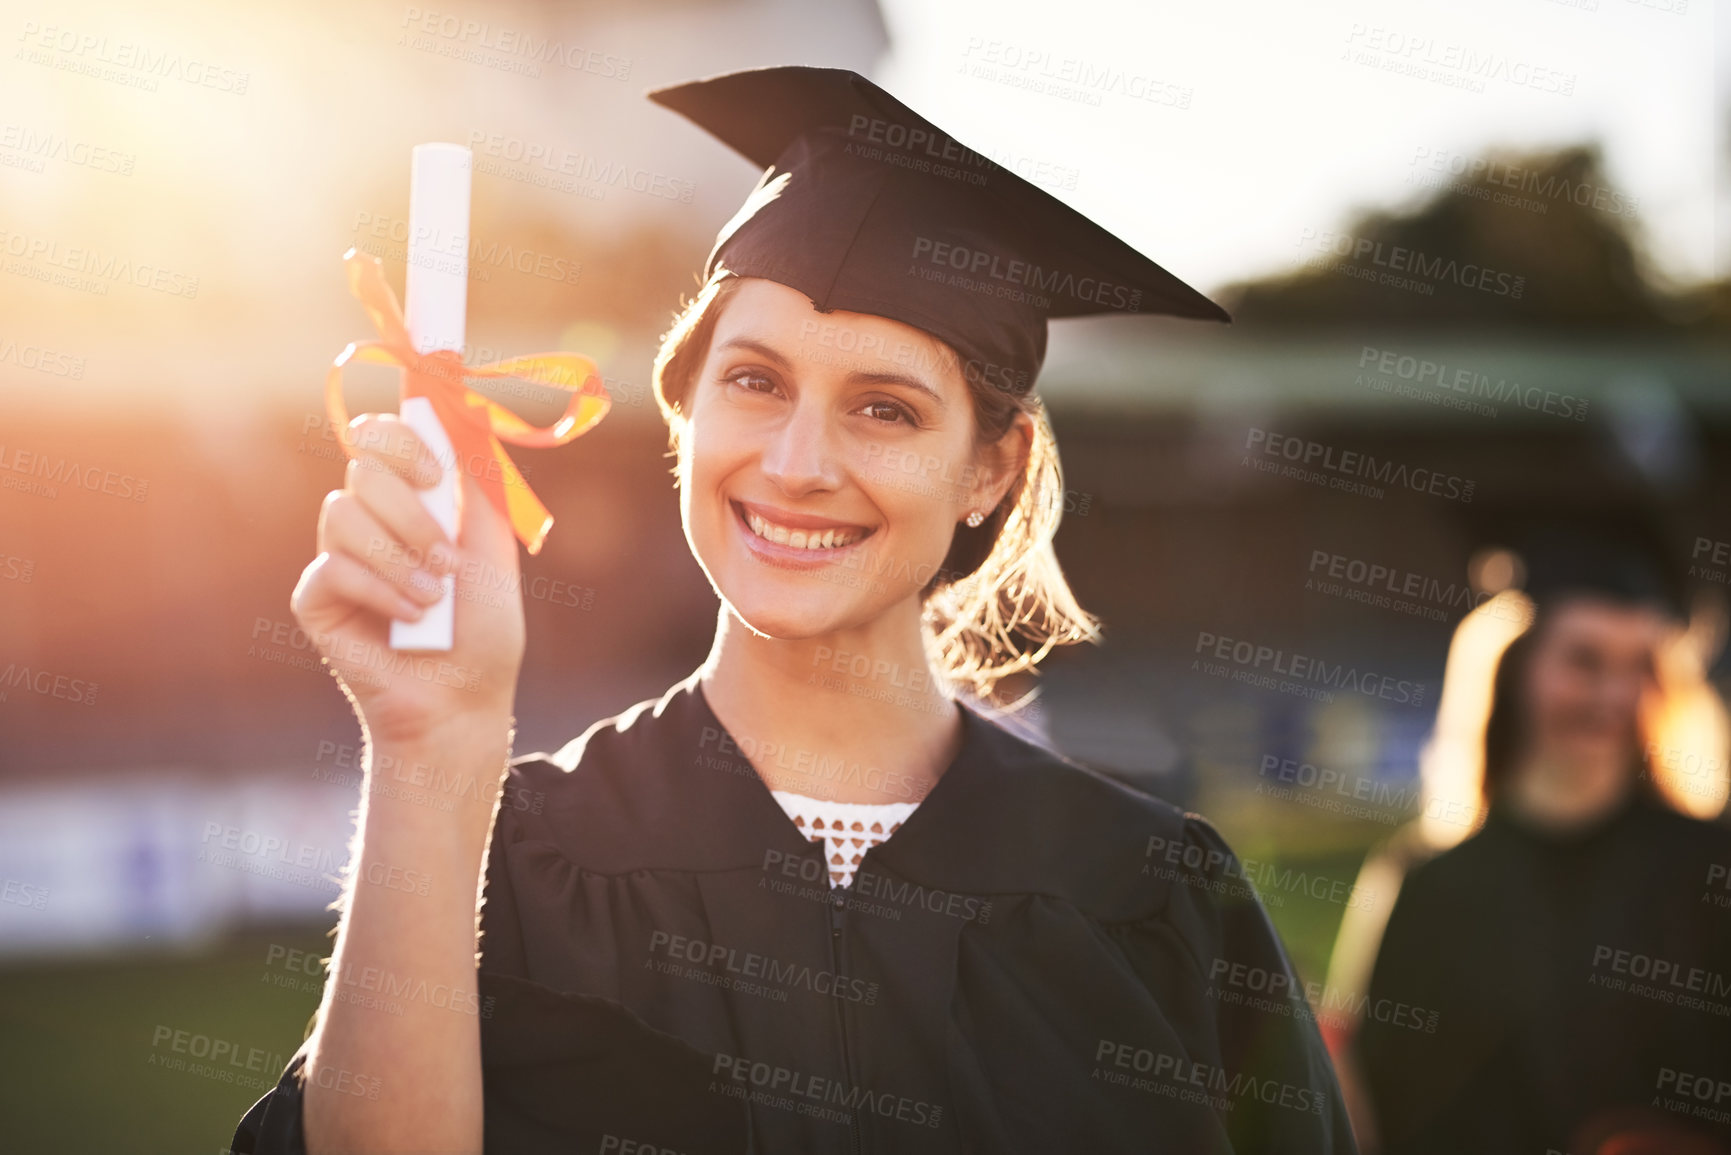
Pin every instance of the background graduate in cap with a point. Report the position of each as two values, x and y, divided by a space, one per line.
807 900
1566 842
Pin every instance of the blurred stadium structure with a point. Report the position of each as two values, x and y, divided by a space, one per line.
1604 395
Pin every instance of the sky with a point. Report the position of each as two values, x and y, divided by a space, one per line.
1213 135
228 156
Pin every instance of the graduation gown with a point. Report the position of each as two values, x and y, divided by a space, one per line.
1028 964
1559 988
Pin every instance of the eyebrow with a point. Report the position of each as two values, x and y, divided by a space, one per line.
857 377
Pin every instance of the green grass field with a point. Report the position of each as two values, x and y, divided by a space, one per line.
88 1053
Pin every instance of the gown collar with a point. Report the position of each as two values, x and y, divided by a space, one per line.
667 787
750 797
1504 815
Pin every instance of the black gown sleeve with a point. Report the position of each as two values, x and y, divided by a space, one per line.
560 1072
1250 1030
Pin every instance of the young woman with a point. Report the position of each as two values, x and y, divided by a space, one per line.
1572 958
807 900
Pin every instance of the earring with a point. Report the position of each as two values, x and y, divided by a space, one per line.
975 518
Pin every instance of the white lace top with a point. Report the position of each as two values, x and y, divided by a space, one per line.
846 829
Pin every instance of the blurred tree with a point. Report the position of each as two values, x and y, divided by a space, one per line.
1537 240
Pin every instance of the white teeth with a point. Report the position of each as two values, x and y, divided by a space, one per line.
799 538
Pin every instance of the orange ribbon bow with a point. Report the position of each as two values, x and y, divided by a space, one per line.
475 424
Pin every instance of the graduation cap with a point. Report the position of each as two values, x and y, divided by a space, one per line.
1603 555
1616 567
867 206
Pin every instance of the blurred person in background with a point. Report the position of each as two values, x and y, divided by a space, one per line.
966 943
1559 980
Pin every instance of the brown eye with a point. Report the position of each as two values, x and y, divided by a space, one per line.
751 380
888 412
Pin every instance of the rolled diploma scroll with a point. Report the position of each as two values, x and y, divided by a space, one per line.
436 298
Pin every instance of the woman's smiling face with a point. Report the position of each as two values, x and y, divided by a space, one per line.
825 461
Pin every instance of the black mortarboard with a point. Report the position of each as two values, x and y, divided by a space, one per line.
1614 567
869 207
1611 555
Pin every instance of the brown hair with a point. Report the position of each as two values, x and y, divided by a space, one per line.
999 602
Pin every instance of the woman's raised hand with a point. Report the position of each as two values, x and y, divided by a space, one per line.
381 556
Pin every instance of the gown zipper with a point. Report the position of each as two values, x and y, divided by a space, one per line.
837 904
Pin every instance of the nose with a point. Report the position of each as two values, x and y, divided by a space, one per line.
801 456
1623 689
